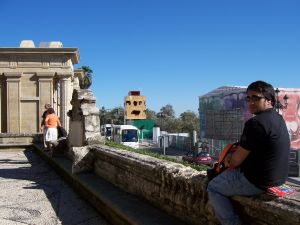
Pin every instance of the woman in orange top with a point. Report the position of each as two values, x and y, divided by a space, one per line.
51 123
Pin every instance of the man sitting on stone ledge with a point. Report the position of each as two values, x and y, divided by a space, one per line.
261 159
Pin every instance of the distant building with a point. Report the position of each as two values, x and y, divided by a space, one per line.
224 111
31 77
134 106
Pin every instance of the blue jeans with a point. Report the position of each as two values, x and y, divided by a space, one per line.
229 183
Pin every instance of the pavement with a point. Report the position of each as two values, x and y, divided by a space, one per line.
33 193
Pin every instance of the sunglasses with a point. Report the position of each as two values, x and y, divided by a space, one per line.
254 98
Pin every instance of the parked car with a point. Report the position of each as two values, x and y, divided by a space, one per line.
202 158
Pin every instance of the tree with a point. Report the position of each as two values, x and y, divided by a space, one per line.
189 122
115 116
151 115
166 119
86 81
168 111
103 116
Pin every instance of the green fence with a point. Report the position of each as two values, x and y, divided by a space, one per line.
145 127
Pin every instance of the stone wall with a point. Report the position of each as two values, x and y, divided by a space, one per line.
20 139
177 189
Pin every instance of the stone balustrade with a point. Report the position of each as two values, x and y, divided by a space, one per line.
179 190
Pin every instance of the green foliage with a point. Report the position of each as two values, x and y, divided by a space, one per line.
189 122
151 115
86 81
155 155
166 119
167 111
115 116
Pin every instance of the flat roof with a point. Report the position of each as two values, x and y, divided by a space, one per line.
74 52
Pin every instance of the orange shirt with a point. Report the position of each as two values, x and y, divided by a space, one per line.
52 121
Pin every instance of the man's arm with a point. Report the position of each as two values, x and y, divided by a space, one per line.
237 157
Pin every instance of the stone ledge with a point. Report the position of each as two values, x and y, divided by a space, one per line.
181 191
9 145
10 139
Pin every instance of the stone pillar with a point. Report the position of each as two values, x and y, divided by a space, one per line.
84 119
45 82
13 101
65 98
1 103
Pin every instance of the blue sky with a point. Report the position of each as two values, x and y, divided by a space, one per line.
173 51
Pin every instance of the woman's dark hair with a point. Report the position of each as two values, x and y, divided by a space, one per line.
50 111
264 88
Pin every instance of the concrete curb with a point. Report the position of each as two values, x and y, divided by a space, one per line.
116 205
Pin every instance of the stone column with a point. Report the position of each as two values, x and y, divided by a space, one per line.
45 84
0 103
65 98
13 101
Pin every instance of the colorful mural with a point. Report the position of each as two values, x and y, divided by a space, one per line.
291 116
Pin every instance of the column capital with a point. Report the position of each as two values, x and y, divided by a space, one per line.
45 74
12 74
64 75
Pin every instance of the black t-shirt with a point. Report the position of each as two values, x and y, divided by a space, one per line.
267 139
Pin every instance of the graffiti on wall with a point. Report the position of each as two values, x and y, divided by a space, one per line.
291 116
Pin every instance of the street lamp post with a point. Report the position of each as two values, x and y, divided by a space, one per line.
278 105
161 116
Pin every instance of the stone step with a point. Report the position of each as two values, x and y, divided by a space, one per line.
14 145
118 206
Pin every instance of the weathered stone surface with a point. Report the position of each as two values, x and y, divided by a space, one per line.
85 120
179 190
83 159
8 138
171 186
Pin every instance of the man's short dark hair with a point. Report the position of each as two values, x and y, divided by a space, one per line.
264 88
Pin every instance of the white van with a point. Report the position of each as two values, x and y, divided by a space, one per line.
106 131
126 134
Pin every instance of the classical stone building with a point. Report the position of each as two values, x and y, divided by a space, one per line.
32 76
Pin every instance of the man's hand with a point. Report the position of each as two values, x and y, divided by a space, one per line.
227 160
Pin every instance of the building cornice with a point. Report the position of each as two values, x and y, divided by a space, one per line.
74 52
